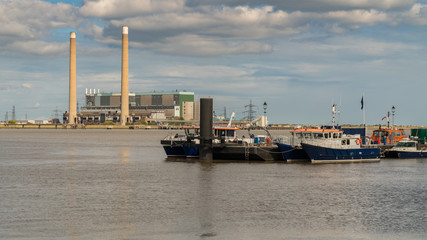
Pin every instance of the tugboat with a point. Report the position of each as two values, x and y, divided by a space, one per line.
407 149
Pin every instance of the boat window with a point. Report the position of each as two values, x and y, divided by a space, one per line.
326 135
403 133
317 135
307 135
405 144
299 135
191 132
398 134
230 133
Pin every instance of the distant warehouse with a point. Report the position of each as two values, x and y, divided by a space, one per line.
143 106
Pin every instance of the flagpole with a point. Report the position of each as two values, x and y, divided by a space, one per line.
363 108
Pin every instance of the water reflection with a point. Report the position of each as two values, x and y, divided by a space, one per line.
124 155
125 190
205 199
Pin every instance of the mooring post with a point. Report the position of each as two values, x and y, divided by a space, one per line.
206 124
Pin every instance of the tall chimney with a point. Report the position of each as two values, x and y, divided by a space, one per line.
72 98
125 78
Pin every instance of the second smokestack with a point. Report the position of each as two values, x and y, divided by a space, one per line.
124 115
72 117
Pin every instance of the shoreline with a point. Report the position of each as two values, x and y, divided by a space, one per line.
156 127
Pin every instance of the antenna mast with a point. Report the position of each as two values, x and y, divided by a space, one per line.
334 112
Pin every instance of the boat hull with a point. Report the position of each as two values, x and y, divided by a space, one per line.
242 152
319 154
406 154
174 149
191 150
293 154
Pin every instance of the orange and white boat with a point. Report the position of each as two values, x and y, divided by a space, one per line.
386 136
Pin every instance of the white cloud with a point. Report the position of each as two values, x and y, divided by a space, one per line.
32 19
212 31
194 45
38 47
359 4
27 85
224 22
108 80
357 16
350 46
201 72
25 25
312 5
214 27
126 8
417 15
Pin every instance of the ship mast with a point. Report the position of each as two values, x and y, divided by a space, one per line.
334 112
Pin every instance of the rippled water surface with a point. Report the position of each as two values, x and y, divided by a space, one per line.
116 184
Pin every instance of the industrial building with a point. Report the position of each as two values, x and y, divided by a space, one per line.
143 106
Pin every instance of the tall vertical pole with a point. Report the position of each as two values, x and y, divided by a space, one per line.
206 125
388 119
72 113
393 109
363 108
125 78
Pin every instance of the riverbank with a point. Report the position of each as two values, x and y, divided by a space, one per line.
169 127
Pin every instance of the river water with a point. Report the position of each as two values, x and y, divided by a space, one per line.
116 184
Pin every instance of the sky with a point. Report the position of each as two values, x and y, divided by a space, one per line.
298 56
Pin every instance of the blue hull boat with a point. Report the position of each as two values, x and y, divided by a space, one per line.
191 150
174 150
406 154
293 154
320 154
407 149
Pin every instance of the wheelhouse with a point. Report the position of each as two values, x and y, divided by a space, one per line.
225 132
406 144
191 131
387 136
317 133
